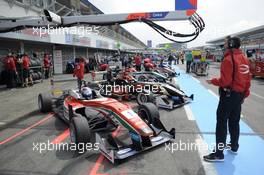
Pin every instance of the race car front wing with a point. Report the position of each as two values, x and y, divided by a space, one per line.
115 152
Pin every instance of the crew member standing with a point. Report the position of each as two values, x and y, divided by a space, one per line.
26 76
11 71
234 84
79 72
138 62
189 59
47 65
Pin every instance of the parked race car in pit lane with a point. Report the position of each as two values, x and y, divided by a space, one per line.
148 76
162 69
125 86
93 118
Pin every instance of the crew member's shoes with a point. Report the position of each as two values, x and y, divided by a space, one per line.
213 157
231 149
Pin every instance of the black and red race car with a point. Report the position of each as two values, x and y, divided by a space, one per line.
126 87
92 118
162 69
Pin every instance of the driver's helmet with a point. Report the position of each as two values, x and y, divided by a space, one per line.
86 93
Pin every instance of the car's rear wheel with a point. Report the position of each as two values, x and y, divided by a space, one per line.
149 112
80 132
45 102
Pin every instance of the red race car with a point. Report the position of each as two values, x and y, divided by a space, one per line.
90 115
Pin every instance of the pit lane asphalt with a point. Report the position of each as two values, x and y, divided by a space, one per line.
19 111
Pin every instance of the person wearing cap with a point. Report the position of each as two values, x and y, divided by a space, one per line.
234 84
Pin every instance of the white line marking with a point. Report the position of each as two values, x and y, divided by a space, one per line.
259 96
195 79
214 94
208 167
189 113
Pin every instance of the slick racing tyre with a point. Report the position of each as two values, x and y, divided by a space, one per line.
149 112
142 98
45 102
80 132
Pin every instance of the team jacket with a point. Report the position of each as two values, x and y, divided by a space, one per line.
242 77
137 60
79 70
46 62
25 62
10 63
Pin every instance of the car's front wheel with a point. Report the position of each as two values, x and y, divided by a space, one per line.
80 132
45 102
149 112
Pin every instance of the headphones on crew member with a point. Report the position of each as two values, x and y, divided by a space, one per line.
230 43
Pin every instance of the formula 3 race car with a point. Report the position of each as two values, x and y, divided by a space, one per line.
163 95
93 118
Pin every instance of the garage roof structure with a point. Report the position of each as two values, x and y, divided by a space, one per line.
255 34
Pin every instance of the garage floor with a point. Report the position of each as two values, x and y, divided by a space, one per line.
22 126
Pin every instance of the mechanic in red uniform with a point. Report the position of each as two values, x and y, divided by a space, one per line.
79 71
26 76
148 64
11 72
234 84
46 65
138 62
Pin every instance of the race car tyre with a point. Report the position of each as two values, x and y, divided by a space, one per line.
142 98
149 112
45 102
80 132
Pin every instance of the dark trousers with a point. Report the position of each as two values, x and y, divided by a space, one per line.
228 114
46 73
10 79
188 66
138 67
79 83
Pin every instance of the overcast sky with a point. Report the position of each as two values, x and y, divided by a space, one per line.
222 17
